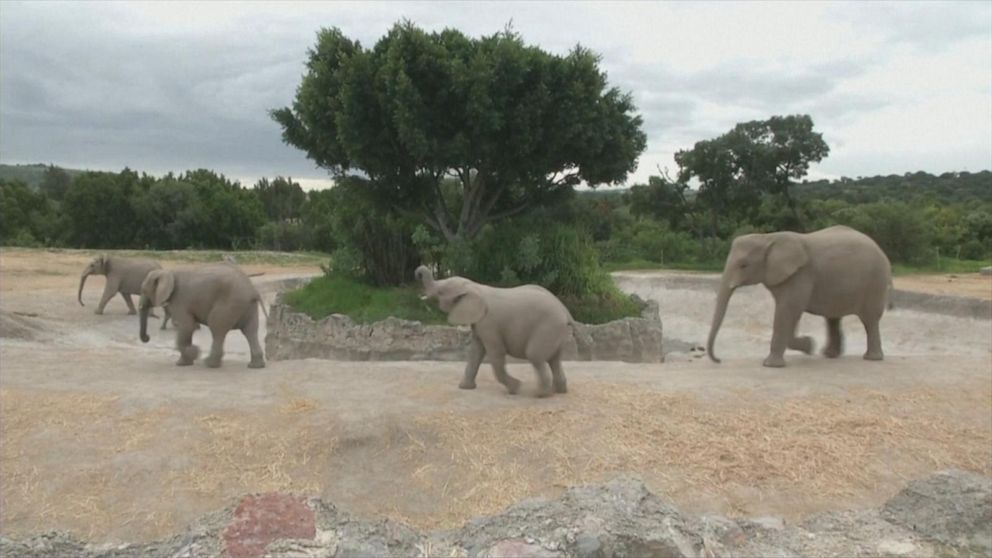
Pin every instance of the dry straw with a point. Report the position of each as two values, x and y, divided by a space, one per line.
92 465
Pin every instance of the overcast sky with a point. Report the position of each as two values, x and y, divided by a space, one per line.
157 87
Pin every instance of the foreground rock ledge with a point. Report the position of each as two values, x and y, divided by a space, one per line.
294 335
946 514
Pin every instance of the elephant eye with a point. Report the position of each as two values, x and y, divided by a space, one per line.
743 265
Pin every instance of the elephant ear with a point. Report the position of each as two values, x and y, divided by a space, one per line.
165 282
786 255
468 309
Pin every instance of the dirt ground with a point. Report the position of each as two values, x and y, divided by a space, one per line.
104 437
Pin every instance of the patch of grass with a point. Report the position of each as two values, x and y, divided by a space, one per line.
338 294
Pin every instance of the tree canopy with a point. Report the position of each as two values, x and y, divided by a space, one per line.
754 158
517 127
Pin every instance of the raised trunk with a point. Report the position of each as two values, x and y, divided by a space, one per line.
721 310
146 307
82 281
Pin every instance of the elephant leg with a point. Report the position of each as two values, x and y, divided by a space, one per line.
108 293
874 351
835 339
558 374
804 344
217 346
498 362
543 379
165 317
250 331
787 316
188 352
130 304
476 352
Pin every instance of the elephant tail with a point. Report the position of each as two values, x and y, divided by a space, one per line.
261 304
889 305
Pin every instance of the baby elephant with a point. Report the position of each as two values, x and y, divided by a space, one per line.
124 276
525 322
219 296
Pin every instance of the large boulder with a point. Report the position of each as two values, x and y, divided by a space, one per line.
952 507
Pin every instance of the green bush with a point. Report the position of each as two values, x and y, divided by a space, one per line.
535 250
283 236
339 294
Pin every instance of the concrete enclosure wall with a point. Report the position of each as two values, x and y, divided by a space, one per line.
293 335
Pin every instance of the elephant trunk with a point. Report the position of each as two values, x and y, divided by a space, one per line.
722 299
82 281
146 307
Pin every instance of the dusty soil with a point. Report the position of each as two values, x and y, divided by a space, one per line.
104 437
957 284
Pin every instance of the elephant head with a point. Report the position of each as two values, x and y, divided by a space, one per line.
98 266
458 297
769 259
156 290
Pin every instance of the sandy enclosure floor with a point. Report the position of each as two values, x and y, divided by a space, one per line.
103 436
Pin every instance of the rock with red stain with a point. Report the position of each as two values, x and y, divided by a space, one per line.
261 519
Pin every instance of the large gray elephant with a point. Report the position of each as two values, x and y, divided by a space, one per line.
219 296
525 322
833 272
124 276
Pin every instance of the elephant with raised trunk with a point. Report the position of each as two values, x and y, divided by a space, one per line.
833 272
219 296
124 277
526 322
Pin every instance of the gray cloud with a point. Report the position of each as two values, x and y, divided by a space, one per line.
108 85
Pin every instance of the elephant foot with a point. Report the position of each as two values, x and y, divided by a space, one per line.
256 363
131 312
832 352
542 393
466 384
188 355
874 356
774 362
212 361
98 312
561 388
512 386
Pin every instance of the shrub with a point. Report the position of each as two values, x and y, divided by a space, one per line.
283 236
339 294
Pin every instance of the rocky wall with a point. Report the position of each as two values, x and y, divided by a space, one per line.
294 335
948 514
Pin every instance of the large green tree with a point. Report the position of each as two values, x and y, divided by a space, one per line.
754 158
516 126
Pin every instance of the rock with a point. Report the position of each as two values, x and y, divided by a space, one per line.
259 520
620 518
896 548
987 270
953 507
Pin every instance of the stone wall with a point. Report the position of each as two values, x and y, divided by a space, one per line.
293 335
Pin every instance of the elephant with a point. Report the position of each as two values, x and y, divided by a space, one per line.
526 322
219 296
124 276
833 272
